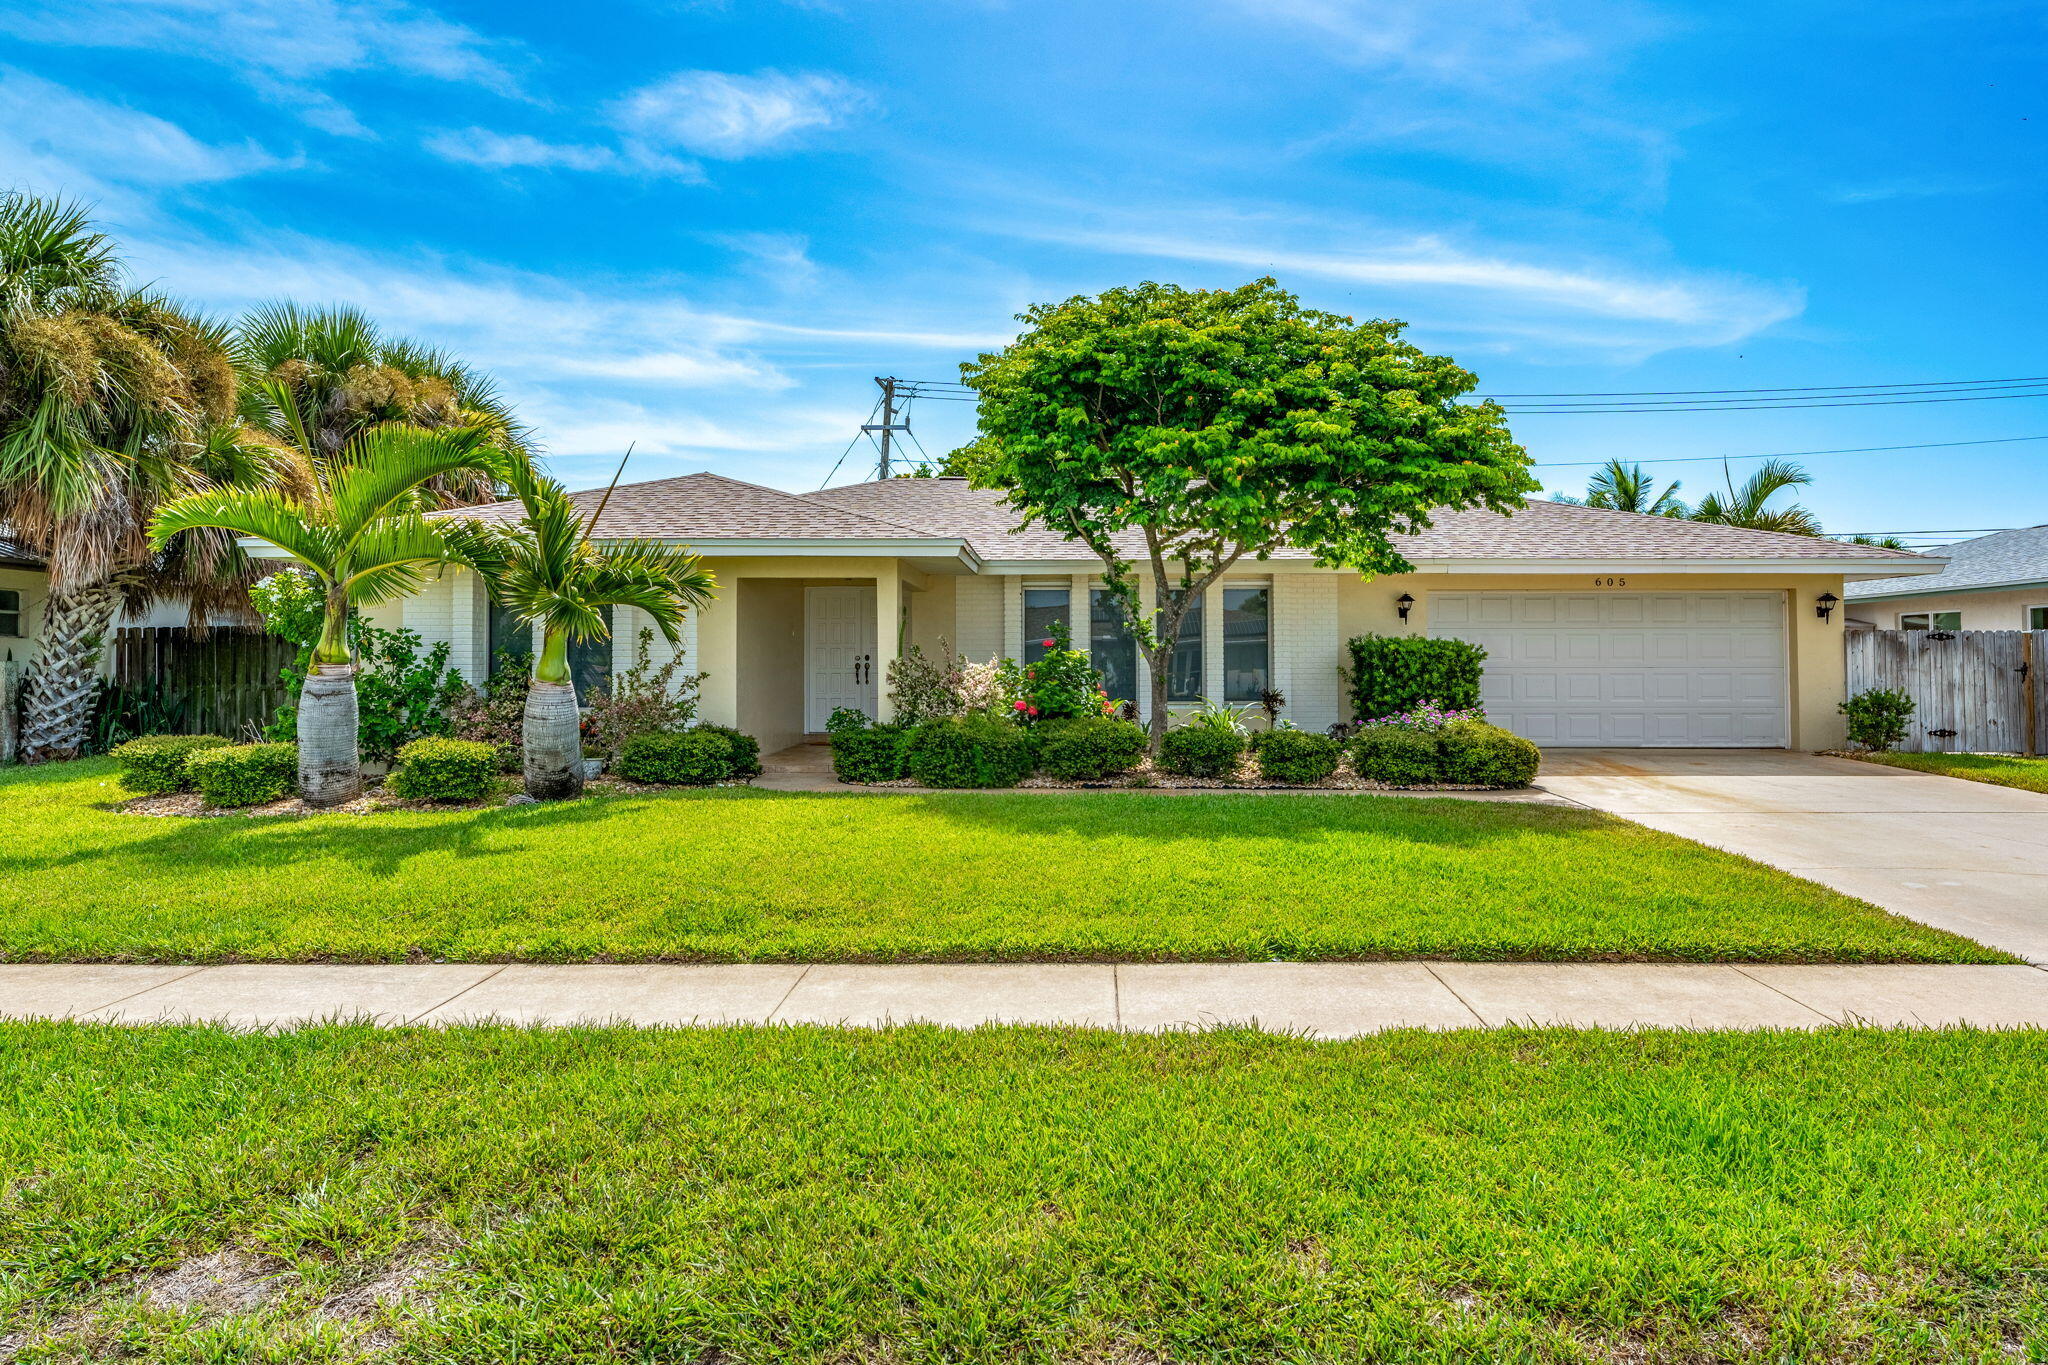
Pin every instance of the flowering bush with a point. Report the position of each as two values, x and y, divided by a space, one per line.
496 715
922 688
1060 685
1428 716
646 699
988 687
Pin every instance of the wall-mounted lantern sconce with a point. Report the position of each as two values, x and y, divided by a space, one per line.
1825 606
1403 604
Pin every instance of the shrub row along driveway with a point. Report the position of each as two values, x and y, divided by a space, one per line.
739 875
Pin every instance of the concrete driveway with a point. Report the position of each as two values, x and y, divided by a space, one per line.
1963 856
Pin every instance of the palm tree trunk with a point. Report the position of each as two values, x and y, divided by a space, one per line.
57 703
553 738
330 767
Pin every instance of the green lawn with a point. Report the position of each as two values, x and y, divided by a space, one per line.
919 1195
741 875
2005 770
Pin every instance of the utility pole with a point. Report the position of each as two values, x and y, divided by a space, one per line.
888 425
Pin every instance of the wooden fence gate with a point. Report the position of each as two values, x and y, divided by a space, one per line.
216 684
1973 691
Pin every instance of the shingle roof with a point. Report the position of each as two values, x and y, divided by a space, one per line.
2006 559
713 507
1542 530
18 554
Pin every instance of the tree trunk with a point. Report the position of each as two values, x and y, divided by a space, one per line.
57 703
330 766
1161 664
553 737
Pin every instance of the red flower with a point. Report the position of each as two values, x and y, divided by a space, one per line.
1032 709
1046 643
1019 706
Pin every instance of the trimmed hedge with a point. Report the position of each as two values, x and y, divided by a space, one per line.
155 764
1487 756
1299 757
746 750
1200 751
437 768
969 751
864 752
1090 748
1398 756
691 758
245 774
1395 673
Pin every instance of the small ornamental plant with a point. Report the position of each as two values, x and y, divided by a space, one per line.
1059 685
437 768
1429 716
245 774
1877 718
155 764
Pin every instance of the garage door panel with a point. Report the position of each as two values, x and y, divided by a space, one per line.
1662 669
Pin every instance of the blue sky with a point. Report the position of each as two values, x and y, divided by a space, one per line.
704 226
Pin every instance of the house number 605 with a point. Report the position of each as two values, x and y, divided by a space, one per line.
1610 582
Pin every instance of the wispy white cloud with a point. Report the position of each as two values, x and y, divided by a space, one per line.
282 48
728 116
1462 41
57 141
1905 187
508 151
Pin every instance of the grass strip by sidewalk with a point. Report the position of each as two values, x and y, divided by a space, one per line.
2004 770
736 875
920 1195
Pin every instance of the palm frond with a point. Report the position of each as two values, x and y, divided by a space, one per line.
253 513
380 470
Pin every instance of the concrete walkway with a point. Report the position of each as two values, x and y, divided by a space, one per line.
1326 999
1969 857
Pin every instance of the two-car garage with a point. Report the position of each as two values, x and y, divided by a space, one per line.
1619 668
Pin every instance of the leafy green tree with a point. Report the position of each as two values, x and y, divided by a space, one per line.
111 402
359 529
546 570
1748 506
1623 487
1187 430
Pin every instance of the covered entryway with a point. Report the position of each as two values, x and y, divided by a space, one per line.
1619 668
839 652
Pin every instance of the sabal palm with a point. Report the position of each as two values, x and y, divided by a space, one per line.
345 376
1748 507
548 572
359 528
111 401
1624 487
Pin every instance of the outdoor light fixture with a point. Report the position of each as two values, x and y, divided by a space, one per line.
1825 607
1402 605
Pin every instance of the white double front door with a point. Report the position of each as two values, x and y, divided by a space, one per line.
839 653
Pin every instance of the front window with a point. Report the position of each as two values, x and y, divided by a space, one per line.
1184 683
1044 608
1931 620
2037 618
1247 642
590 662
10 612
511 637
1111 647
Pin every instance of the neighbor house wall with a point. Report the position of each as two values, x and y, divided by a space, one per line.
2000 609
33 585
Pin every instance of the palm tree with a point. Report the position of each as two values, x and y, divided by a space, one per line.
1881 542
111 402
360 529
1746 506
346 376
547 571
1622 487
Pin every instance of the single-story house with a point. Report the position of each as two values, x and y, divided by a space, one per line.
1602 628
1995 582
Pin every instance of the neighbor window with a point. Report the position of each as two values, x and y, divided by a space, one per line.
2037 618
10 612
1184 683
1931 620
1044 608
590 661
1110 646
1247 642
509 636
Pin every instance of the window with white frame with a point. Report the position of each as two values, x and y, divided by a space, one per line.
1184 681
10 612
2037 618
1247 642
1045 608
1111 647
1930 620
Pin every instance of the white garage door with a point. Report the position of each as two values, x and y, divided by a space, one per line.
1672 670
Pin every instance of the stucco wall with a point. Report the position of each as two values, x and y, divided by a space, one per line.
2005 609
769 660
33 586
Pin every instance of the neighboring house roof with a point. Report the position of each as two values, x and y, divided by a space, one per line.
706 508
2008 559
15 554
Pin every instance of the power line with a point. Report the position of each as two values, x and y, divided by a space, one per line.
1789 406
1811 388
1780 455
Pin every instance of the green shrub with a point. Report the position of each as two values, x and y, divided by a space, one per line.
441 769
1395 673
694 758
1398 756
1201 750
1300 757
155 764
1877 718
245 774
746 750
1089 748
969 751
1483 755
1061 684
863 751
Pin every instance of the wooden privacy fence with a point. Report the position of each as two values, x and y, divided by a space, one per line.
215 684
1973 691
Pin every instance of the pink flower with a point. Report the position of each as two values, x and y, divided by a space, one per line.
1046 643
1019 706
1032 709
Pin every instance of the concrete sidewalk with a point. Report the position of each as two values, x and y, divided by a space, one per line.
1326 999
